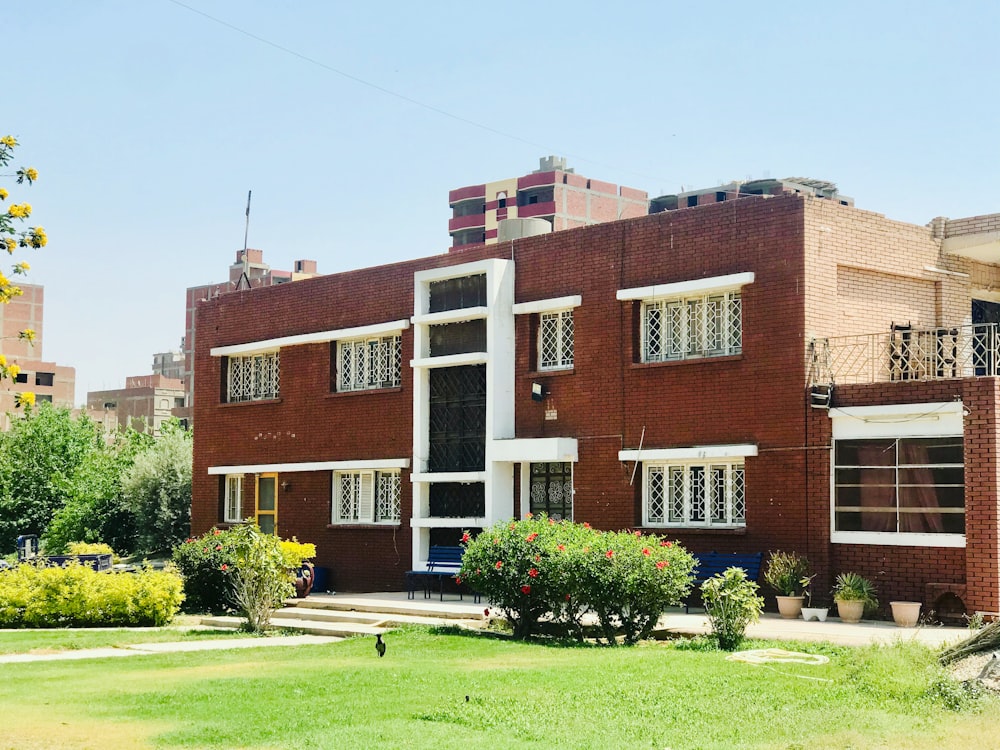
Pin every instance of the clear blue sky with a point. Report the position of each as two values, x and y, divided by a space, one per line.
149 122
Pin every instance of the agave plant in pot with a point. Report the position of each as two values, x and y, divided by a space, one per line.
854 595
785 573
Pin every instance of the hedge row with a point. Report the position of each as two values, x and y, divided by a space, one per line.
77 596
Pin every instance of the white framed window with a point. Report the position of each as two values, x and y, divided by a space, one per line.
366 497
253 377
698 494
708 325
233 503
555 340
369 363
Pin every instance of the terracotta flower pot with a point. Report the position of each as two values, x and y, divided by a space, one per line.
790 607
850 611
905 614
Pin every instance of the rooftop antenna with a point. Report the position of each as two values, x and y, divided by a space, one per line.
246 233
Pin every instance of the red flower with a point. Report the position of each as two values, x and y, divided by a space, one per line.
561 547
567 597
526 589
216 532
646 551
499 564
458 580
551 522
586 550
486 612
638 533
478 571
586 524
189 540
225 567
496 540
530 515
662 564
609 554
533 572
531 537
204 549
218 547
466 537
513 526
666 544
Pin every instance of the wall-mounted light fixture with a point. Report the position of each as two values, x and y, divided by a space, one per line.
286 485
538 392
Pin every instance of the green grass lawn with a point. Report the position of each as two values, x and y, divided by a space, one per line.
445 690
69 639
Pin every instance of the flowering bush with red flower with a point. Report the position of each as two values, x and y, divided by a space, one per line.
536 571
200 560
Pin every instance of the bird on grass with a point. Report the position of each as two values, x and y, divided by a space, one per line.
379 645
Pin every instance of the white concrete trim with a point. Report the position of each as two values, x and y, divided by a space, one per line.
451 523
934 419
548 305
466 477
319 337
451 316
901 539
451 360
534 450
685 288
286 468
685 454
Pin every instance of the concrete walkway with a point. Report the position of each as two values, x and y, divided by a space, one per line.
395 608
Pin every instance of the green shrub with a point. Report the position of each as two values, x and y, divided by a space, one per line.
536 570
78 596
261 580
787 573
204 562
731 603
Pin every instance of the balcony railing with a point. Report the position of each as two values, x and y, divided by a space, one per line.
907 353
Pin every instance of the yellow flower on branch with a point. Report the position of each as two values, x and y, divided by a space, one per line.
26 399
3 194
31 173
28 334
10 243
3 361
20 210
9 141
38 238
13 371
21 268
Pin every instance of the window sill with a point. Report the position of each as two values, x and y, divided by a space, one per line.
550 373
696 530
366 392
258 402
891 539
394 525
688 361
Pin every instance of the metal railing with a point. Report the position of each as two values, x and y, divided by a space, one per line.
907 353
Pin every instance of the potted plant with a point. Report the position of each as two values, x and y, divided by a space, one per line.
854 595
784 573
295 558
809 612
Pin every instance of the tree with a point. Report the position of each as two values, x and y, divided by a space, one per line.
12 239
157 487
40 463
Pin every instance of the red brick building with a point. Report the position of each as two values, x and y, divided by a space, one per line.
670 373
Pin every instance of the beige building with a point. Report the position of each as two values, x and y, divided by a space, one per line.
145 403
49 381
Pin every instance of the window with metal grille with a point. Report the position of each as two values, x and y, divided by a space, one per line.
551 490
705 326
900 485
555 340
681 494
233 505
366 497
254 377
368 364
457 294
457 429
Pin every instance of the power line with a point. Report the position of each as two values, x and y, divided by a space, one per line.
395 94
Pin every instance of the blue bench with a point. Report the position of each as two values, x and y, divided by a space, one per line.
442 562
100 562
713 563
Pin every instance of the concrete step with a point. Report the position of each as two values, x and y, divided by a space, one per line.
417 607
313 627
375 619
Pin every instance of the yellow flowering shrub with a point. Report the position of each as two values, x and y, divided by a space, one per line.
25 399
11 239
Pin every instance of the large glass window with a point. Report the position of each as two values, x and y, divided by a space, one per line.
703 326
694 494
900 485
457 294
368 364
254 377
233 504
366 497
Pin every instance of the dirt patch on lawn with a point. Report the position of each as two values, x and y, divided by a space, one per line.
28 729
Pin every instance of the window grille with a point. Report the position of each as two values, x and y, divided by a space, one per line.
695 495
368 364
254 377
555 340
366 497
234 499
707 326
